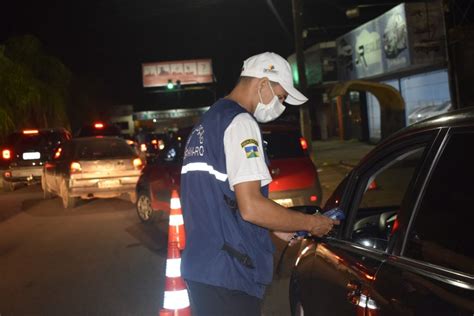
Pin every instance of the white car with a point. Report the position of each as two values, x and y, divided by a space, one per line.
92 167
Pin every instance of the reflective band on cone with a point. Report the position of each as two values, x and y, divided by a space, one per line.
176 299
176 232
176 220
175 203
173 268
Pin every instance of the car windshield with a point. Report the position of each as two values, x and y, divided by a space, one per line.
280 145
103 149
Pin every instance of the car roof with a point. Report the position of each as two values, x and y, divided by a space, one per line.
460 117
95 138
43 130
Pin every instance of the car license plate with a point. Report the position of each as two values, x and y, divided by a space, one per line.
109 183
31 156
285 202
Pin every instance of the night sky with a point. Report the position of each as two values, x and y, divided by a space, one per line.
108 40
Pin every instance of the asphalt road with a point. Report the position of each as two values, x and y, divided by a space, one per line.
97 259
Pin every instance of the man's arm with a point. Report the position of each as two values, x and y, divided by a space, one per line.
257 209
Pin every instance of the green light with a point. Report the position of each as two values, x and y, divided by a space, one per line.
170 85
296 76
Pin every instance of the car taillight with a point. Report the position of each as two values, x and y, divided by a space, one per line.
143 147
303 143
138 163
7 174
98 125
57 154
30 132
154 142
313 198
75 167
129 142
6 154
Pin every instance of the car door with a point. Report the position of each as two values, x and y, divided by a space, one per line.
432 269
339 272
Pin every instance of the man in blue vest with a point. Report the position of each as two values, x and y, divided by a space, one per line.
228 261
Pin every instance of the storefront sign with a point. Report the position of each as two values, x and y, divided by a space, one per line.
186 71
390 42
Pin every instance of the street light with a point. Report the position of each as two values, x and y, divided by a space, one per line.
170 85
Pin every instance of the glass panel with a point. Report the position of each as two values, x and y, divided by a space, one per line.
442 232
373 111
425 95
383 194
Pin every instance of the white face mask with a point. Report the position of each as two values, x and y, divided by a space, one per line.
268 112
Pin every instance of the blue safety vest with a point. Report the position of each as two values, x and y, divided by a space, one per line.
222 249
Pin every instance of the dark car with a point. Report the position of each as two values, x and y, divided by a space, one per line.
406 246
25 153
152 144
92 167
295 178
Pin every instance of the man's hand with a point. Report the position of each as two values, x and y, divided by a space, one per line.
321 225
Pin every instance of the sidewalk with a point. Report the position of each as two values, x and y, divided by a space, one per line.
334 151
334 159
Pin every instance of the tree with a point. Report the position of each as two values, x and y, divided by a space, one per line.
34 87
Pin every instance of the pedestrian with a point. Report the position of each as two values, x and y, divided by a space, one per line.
228 259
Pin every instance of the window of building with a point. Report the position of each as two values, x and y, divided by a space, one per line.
425 95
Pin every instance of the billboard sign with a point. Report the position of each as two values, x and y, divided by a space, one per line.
403 37
187 71
376 47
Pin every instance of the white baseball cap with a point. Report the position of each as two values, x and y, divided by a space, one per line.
276 69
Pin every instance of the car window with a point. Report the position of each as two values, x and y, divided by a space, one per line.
280 145
103 149
383 191
22 141
442 233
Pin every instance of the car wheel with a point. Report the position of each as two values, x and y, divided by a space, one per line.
8 186
46 193
144 210
68 200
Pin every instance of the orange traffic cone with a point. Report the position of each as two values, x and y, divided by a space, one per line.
176 300
176 231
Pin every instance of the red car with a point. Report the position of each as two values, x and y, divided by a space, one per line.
295 178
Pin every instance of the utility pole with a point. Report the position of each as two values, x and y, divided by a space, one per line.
305 120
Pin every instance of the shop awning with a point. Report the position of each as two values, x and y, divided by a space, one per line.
387 96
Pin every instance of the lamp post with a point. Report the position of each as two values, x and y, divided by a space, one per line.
305 120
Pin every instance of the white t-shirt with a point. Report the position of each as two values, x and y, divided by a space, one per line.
244 152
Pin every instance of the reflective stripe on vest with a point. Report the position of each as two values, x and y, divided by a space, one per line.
202 166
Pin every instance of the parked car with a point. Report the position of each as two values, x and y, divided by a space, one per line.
92 167
25 153
295 178
425 112
405 247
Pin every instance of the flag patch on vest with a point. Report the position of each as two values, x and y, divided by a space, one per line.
250 147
